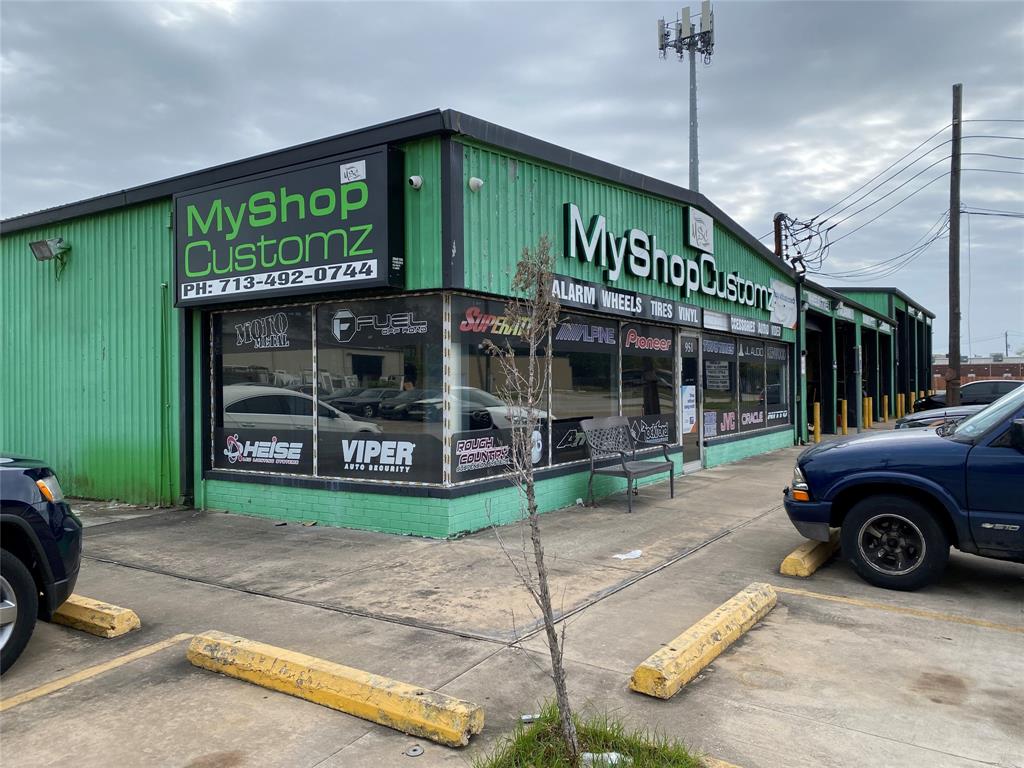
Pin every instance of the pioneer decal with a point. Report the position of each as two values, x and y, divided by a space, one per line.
264 450
648 340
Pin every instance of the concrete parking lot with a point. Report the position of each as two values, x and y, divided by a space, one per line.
839 674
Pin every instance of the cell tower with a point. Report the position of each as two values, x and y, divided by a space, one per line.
683 37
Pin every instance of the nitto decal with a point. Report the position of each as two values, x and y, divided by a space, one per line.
345 325
271 451
377 455
588 334
270 332
635 341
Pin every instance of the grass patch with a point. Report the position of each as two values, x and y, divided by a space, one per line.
539 745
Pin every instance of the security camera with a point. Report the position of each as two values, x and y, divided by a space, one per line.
475 184
415 182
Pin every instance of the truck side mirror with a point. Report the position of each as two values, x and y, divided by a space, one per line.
1017 434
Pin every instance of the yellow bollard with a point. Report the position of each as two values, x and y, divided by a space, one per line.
899 405
864 421
817 422
842 416
885 408
871 412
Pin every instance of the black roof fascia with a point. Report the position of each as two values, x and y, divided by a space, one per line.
393 131
835 294
521 143
446 121
893 291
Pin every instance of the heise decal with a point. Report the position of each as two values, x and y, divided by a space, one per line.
273 451
637 253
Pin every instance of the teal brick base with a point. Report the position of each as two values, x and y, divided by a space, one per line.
417 515
742 449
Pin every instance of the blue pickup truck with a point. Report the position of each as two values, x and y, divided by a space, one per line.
902 498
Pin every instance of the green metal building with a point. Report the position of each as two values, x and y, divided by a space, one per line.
301 334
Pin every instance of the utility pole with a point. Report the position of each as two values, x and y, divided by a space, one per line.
688 40
1006 342
953 373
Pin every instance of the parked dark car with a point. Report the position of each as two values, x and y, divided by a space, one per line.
366 403
902 498
938 416
397 407
972 393
40 551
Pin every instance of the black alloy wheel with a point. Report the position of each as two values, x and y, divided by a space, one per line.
19 604
894 542
368 411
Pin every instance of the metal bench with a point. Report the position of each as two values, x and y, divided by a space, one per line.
610 437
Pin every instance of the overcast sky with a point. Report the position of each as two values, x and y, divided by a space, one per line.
802 103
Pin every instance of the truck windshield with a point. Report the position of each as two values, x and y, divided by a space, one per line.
981 422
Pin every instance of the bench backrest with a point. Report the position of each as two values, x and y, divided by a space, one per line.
608 436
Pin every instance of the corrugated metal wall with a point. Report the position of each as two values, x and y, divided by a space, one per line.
90 361
422 213
870 299
522 200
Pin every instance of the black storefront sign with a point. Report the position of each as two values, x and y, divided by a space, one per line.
264 450
576 333
568 441
395 323
474 320
750 327
395 457
574 293
646 340
325 226
488 452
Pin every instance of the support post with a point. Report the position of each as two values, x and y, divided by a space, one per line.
953 370
817 422
842 417
885 408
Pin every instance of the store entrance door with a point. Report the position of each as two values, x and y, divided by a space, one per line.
689 366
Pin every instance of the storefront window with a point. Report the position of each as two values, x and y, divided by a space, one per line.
484 418
752 385
262 390
720 400
380 389
777 384
584 381
648 383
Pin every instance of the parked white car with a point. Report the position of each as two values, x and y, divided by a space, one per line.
480 410
248 406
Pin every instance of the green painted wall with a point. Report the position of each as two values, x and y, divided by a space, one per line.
422 214
742 449
870 299
91 360
522 199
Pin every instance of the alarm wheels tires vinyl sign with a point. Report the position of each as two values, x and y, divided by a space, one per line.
325 226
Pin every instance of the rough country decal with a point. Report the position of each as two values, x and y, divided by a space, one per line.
588 334
270 451
481 453
384 456
270 332
345 325
637 253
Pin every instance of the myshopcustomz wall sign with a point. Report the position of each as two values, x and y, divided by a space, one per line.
329 225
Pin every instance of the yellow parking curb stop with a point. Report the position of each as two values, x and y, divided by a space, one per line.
810 556
95 617
714 762
676 664
404 707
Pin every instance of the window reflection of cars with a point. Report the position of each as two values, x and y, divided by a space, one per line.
366 403
480 410
248 406
397 407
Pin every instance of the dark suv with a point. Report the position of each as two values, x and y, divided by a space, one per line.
40 551
982 392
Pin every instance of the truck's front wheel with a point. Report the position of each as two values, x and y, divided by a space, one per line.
894 542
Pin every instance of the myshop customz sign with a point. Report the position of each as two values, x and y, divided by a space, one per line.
324 226
637 253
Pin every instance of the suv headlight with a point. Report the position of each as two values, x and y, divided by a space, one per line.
50 488
799 489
